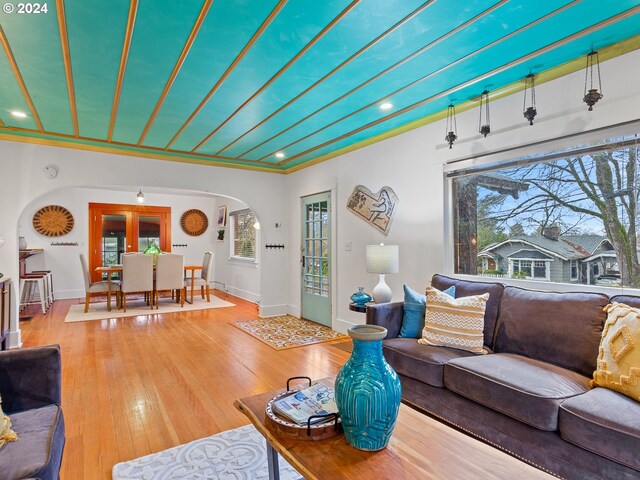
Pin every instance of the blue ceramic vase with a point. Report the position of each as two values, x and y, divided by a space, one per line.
360 297
368 391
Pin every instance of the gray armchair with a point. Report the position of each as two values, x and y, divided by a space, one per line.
30 387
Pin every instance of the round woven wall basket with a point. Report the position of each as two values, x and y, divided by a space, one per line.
194 222
53 221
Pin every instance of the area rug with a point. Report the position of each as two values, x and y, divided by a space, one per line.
235 454
137 307
344 346
287 331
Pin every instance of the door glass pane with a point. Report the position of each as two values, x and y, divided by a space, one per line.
113 239
316 280
148 231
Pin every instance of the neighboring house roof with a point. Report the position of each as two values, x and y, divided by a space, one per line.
530 255
607 254
567 247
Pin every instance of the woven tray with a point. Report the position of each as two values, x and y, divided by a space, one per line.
53 221
194 222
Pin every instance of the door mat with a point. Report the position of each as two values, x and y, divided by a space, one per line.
287 331
344 346
235 454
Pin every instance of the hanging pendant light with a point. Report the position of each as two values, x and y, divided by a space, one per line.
452 128
484 128
592 96
529 112
140 196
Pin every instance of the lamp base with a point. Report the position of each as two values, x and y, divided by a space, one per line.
381 293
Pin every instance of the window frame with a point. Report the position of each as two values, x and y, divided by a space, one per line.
567 145
232 216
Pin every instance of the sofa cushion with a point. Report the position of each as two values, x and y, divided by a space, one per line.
604 422
420 362
38 453
414 308
525 389
466 289
559 328
454 322
631 300
619 354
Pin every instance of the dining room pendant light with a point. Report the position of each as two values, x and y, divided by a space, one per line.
530 111
452 129
484 126
591 94
140 196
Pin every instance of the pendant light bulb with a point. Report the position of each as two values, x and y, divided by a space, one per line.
140 196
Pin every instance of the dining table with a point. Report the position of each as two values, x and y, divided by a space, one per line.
117 268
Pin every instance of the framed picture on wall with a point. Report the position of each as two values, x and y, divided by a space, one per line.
222 216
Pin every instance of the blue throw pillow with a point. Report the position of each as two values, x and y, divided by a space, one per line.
415 305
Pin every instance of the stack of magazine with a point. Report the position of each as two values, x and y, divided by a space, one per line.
318 399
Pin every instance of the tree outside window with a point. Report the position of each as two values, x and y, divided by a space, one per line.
243 243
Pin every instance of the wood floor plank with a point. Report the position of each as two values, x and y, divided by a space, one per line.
138 385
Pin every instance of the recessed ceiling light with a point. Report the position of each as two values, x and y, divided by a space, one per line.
280 155
386 106
18 114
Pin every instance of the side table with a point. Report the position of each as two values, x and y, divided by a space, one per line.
359 308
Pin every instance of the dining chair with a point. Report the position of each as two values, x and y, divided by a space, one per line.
137 276
205 276
97 287
170 276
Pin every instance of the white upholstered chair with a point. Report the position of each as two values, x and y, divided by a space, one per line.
205 277
137 276
170 275
97 287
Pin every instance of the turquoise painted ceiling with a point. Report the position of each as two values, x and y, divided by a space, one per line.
272 84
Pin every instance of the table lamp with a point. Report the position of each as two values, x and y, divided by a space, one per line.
382 259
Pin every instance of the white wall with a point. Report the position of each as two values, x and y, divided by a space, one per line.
240 278
23 182
412 164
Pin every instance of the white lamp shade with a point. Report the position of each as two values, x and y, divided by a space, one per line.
383 259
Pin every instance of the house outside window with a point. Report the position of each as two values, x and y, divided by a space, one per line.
243 235
574 269
552 205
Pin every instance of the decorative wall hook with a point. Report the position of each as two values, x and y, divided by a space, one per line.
270 245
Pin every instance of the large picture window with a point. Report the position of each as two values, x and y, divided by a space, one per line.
243 242
569 217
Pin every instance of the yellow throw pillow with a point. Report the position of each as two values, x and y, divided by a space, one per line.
6 434
619 354
454 322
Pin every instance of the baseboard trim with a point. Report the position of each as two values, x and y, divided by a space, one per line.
244 294
342 326
273 310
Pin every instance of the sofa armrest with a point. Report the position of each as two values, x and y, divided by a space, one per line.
30 378
387 315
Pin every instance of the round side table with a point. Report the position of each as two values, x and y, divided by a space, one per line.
359 308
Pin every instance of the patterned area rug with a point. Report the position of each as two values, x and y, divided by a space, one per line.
137 307
237 454
287 331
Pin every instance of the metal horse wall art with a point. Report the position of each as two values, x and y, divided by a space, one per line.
377 209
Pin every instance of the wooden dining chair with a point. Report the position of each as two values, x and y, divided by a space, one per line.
137 276
170 276
97 287
205 277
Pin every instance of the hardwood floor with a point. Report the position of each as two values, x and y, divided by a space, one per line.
138 385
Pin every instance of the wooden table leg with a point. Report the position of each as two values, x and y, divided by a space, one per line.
272 461
108 292
193 278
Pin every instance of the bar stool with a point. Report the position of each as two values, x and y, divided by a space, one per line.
28 284
48 284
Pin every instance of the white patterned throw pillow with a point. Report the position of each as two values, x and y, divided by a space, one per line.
454 322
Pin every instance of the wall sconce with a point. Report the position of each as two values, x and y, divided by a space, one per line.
256 225
592 96
140 197
529 112
484 128
452 129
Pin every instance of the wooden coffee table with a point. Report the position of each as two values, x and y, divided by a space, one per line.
420 447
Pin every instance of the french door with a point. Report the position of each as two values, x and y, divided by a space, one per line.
316 258
116 229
